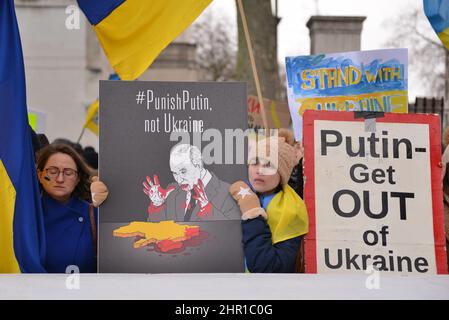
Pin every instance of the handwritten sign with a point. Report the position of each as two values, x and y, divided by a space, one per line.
351 81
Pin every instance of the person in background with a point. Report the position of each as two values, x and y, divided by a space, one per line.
78 148
39 141
297 183
297 178
445 178
274 217
43 140
91 157
70 220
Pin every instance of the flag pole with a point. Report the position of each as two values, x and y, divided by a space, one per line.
81 135
253 62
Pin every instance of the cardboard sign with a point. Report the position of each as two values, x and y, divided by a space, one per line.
373 192
278 114
37 120
168 162
350 81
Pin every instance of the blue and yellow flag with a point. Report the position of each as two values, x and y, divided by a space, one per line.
92 118
437 11
22 245
134 32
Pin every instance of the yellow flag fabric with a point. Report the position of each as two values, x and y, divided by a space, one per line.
136 32
32 120
8 261
287 215
22 229
92 117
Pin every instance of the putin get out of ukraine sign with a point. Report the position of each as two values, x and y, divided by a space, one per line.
373 193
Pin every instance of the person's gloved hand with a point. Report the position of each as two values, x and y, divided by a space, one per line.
99 191
247 200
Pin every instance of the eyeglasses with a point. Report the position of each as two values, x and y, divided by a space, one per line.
53 173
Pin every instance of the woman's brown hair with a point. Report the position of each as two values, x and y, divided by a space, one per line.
82 189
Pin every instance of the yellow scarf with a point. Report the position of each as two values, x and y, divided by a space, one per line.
287 215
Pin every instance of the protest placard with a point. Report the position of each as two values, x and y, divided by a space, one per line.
37 120
168 156
278 114
373 192
350 81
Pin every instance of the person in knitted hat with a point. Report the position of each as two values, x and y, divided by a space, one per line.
274 217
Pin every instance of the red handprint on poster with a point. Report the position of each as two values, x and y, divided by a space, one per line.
156 193
200 195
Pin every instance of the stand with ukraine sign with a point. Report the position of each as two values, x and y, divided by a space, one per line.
350 81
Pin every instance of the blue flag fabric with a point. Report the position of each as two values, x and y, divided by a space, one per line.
437 11
22 236
134 32
96 11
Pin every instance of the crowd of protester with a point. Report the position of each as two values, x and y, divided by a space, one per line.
71 193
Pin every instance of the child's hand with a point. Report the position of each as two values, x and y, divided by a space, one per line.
247 200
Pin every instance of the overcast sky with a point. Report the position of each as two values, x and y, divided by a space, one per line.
293 35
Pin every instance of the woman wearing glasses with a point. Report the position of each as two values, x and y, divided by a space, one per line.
70 221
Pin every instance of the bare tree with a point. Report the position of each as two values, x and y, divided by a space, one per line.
283 81
216 47
262 25
427 56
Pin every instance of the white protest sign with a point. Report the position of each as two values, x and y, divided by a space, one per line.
373 192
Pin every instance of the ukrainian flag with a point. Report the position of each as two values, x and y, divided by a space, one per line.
91 122
22 246
437 11
134 32
92 118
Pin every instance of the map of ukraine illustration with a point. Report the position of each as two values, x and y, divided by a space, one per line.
166 235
